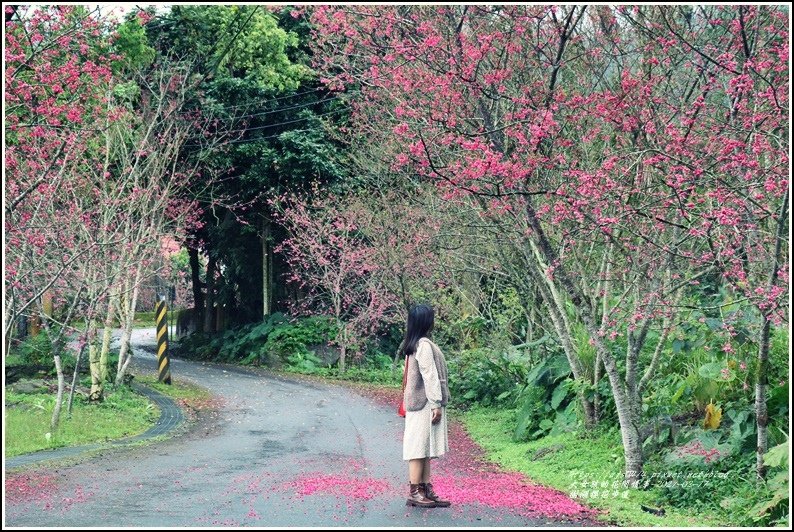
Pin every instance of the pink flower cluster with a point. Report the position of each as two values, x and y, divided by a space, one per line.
351 487
696 448
510 491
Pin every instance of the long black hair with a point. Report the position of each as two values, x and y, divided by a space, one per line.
420 323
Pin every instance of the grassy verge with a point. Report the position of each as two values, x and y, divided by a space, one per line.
27 418
181 391
141 320
379 377
569 458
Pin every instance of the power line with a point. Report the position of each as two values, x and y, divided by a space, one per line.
244 130
290 121
283 109
267 99
257 139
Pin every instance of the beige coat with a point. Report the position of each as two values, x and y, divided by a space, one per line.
433 386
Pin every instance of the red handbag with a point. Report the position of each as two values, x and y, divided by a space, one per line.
401 408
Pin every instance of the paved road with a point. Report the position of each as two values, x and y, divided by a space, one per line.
281 453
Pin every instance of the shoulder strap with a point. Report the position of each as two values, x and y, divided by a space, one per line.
405 372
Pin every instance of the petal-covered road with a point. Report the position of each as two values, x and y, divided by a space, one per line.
280 452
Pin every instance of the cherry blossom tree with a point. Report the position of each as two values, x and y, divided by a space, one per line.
54 110
148 196
96 175
57 81
334 262
650 136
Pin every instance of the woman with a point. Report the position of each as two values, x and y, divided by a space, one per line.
425 398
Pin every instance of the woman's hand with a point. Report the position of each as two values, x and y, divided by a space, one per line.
436 415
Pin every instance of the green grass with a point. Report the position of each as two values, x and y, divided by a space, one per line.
380 376
27 418
141 320
191 393
599 457
145 319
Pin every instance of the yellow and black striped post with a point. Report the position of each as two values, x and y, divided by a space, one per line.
162 343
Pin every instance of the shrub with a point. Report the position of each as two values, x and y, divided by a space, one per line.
546 404
34 351
297 336
269 342
33 356
481 376
714 471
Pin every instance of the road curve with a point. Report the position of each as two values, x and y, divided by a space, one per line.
279 453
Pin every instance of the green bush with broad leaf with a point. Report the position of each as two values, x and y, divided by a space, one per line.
774 507
32 356
546 404
714 471
272 341
33 351
482 376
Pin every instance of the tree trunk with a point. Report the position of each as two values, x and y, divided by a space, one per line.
762 376
632 446
122 371
628 413
97 386
573 361
266 267
761 416
34 325
56 412
46 303
342 336
605 294
198 294
397 356
629 419
596 397
529 334
55 344
125 350
556 307
220 318
209 312
270 274
106 334
77 360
